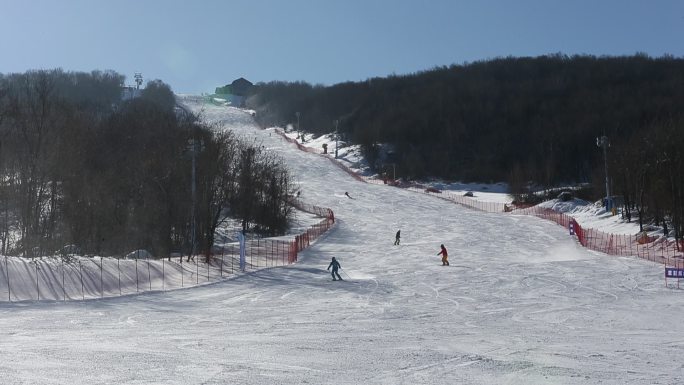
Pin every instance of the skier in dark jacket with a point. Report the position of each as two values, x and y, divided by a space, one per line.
396 241
335 265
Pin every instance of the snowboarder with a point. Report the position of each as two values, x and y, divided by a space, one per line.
347 194
335 265
445 256
396 240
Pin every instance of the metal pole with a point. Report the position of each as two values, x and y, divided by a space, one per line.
37 288
605 165
194 194
63 288
149 275
337 136
101 280
345 273
9 289
137 289
602 141
80 269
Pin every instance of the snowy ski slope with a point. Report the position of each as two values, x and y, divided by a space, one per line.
521 303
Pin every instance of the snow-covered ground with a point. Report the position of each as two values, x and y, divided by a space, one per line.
521 303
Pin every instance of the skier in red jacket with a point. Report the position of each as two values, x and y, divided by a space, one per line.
445 256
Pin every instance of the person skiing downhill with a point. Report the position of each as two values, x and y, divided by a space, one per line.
445 256
335 265
396 240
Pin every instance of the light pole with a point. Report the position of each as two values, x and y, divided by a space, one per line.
337 136
194 146
299 131
602 141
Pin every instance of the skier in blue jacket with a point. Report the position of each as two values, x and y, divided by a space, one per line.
335 265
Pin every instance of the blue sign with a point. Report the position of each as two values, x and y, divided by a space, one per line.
671 272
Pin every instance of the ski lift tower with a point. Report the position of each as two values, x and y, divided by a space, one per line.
138 80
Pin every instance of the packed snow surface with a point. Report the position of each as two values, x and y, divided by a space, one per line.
521 303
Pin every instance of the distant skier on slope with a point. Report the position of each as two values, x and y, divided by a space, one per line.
445 256
347 194
396 240
335 265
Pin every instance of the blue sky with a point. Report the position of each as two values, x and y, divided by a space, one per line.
195 46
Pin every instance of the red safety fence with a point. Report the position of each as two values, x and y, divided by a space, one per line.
295 142
259 253
314 151
304 239
656 249
490 207
66 278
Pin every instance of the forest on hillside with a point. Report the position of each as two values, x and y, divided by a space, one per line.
528 121
83 168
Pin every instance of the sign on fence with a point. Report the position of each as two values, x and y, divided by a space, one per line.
571 226
673 272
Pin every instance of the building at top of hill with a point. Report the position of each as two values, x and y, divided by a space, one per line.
233 94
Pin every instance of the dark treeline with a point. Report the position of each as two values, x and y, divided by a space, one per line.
81 167
520 120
